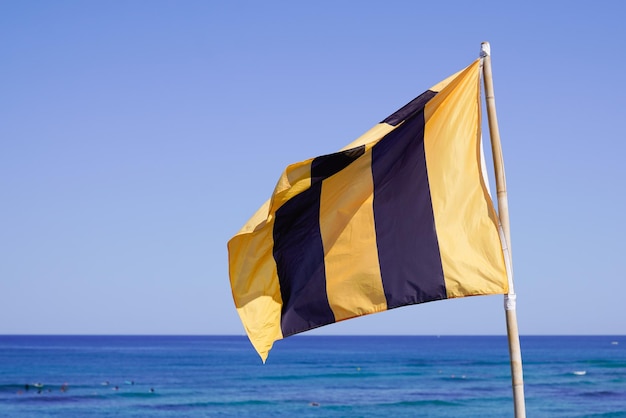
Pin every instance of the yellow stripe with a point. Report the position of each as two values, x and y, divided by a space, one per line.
469 243
255 286
295 179
353 283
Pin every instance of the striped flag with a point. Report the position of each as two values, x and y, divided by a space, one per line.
400 216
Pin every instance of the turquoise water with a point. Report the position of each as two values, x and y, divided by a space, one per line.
308 376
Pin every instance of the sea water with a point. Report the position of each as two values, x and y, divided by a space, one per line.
308 376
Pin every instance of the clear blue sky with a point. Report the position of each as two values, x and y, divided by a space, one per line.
137 137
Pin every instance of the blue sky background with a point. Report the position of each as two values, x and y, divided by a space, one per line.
137 137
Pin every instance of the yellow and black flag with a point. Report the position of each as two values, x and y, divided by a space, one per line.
400 216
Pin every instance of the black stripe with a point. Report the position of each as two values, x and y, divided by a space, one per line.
327 165
413 107
408 249
299 252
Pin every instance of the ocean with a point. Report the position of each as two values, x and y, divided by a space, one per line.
308 376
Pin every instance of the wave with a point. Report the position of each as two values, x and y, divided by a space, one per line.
613 414
603 394
424 402
207 404
607 364
346 375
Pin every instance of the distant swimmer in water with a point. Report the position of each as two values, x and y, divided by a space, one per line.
115 388
64 387
151 390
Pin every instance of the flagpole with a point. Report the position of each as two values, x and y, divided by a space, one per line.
515 352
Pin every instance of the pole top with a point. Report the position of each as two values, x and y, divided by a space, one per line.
485 49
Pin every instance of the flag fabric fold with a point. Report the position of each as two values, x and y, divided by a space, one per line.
400 216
